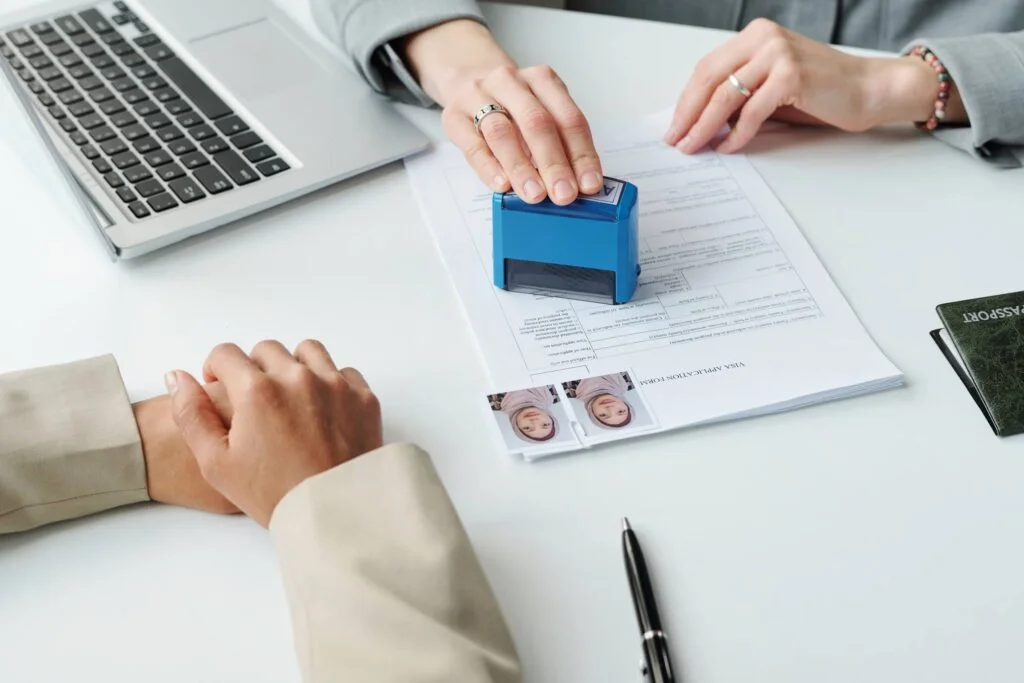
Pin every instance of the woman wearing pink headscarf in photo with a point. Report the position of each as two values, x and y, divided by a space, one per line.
530 412
605 400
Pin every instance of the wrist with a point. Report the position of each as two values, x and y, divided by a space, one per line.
904 90
444 57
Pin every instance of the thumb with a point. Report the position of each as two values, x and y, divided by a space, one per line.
196 417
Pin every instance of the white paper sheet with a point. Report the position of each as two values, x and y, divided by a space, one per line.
735 315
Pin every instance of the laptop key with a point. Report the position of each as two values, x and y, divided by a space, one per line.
138 209
17 64
143 71
189 120
232 125
236 168
202 132
246 140
132 60
158 121
80 109
112 107
100 96
60 49
123 119
38 63
37 88
125 160
19 38
96 21
178 107
154 83
90 83
83 39
146 145
170 172
60 85
136 174
135 132
51 39
112 38
148 40
169 134
47 101
103 62
134 96
158 158
6 52
146 108
166 95
68 125
114 147
68 61
193 87
214 146
162 202
32 52
90 152
112 73
213 180
102 134
27 76
119 19
92 50
186 190
181 147
50 74
103 166
141 27
113 179
194 160
122 6
123 85
42 27
148 188
69 25
91 121
159 53
79 72
258 154
79 139
56 112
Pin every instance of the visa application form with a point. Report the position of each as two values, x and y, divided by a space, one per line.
734 315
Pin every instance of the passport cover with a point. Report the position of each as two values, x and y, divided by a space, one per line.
988 335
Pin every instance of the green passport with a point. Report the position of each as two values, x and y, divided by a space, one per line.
983 340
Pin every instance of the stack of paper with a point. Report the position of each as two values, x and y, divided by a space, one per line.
735 315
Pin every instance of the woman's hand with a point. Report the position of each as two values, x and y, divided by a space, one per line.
790 77
542 148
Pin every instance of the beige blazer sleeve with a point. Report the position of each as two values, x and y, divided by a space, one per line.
68 444
383 583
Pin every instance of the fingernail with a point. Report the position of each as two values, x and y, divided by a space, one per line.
533 189
563 191
591 181
499 182
171 381
684 144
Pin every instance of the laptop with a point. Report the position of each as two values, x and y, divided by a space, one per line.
173 117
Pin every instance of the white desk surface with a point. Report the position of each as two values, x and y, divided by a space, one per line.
875 539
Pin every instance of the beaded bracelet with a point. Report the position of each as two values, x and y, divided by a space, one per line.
944 86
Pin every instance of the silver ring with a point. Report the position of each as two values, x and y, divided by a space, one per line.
651 635
486 111
735 82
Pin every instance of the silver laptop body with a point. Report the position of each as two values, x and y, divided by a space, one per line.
173 117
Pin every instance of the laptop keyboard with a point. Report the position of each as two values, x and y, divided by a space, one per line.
140 117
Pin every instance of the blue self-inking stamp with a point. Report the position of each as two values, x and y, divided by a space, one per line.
586 250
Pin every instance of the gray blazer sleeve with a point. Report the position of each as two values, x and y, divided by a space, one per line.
364 28
988 70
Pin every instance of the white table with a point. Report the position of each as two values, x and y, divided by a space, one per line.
876 539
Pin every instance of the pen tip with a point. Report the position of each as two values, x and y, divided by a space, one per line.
625 524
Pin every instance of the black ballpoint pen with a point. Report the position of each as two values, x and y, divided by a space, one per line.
658 664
